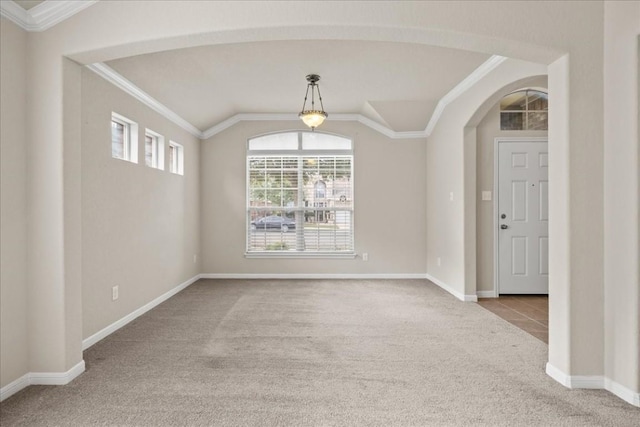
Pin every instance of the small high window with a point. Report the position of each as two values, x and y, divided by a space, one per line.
154 149
524 110
124 138
176 158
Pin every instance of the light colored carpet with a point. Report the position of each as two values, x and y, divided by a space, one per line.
320 353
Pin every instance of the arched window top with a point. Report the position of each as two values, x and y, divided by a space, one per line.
525 109
300 140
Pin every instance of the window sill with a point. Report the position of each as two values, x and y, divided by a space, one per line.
301 255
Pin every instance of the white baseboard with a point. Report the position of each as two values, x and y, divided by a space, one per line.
14 387
88 342
575 381
459 295
594 382
41 378
247 276
486 294
622 392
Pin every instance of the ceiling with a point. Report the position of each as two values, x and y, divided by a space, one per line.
28 4
396 85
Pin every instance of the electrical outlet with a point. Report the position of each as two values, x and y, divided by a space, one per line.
439 261
365 256
451 196
114 293
195 258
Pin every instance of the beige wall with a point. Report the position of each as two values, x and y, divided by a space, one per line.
622 194
390 229
140 226
451 168
14 354
566 35
487 130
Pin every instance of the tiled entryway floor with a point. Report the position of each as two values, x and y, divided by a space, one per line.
528 312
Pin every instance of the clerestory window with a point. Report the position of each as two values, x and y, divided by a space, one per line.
124 138
300 195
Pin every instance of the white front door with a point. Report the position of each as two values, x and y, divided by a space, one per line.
523 217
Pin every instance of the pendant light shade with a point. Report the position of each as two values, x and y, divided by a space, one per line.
312 117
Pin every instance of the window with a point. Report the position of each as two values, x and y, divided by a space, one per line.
176 158
153 149
124 138
524 110
300 195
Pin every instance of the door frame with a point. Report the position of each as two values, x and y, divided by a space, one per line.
496 200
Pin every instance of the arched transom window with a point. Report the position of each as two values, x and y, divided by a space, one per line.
526 109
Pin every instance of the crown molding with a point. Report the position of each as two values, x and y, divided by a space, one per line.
254 117
121 82
43 16
14 13
466 84
110 75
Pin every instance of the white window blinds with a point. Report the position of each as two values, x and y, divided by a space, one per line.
300 194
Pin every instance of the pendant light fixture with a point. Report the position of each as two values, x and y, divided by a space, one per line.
313 118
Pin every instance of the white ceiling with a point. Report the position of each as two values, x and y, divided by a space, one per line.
395 85
28 4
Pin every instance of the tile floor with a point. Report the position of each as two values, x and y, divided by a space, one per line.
528 312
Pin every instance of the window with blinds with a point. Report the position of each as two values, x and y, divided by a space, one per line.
300 195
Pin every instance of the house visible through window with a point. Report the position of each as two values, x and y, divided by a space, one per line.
524 110
300 194
153 149
176 158
124 138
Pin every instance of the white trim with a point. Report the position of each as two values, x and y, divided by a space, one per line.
487 294
14 387
247 276
16 14
300 254
88 342
575 381
594 382
226 124
43 16
466 84
41 378
459 295
622 392
56 378
122 83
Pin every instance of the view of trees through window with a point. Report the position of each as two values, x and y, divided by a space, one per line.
300 196
524 110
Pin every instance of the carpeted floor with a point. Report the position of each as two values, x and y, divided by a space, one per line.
321 353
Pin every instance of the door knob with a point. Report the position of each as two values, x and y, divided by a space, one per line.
504 226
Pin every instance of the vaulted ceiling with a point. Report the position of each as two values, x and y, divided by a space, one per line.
394 85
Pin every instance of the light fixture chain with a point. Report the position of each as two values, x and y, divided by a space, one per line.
320 98
304 104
